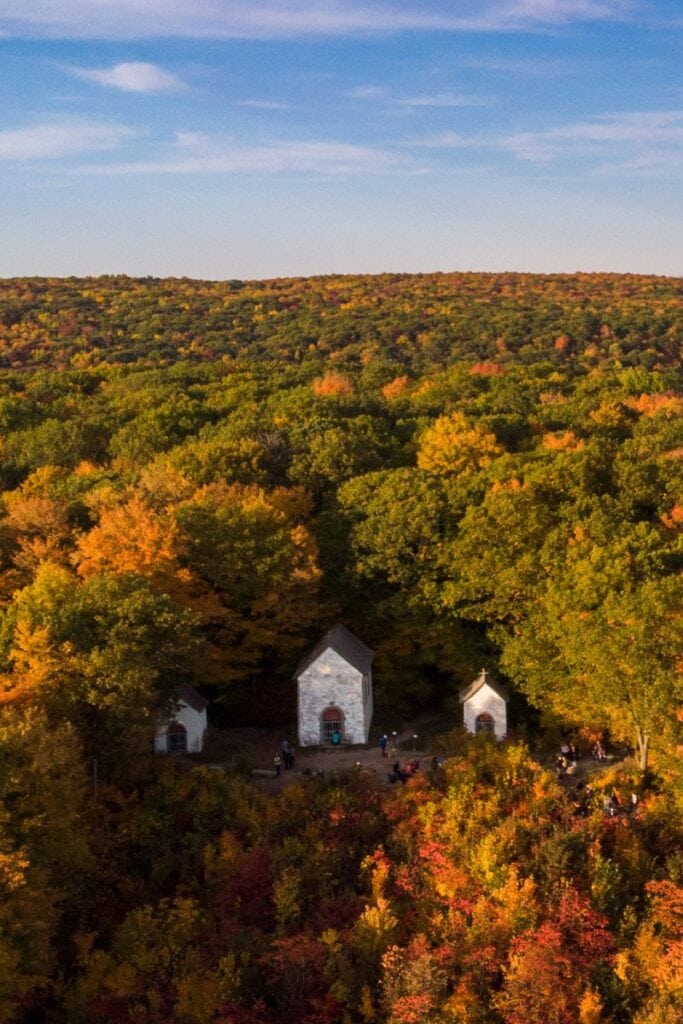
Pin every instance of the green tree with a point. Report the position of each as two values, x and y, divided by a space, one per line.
255 574
617 664
104 654
45 858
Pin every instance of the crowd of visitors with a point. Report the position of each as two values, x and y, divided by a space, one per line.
398 774
584 799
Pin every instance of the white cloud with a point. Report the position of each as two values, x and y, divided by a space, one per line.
263 104
445 140
446 99
132 76
647 131
368 92
653 165
633 141
53 140
522 66
136 19
200 154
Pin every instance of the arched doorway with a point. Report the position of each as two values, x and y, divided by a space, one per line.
332 725
176 738
485 723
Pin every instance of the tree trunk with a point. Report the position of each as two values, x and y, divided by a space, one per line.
643 741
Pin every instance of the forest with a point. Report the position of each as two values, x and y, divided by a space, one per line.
197 479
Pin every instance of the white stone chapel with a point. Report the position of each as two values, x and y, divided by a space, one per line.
334 690
484 706
183 729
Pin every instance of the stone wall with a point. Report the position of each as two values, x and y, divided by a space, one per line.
331 682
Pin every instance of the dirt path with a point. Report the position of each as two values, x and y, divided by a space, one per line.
255 748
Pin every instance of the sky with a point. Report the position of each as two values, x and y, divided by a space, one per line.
236 139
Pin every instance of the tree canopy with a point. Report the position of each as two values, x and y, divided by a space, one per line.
196 480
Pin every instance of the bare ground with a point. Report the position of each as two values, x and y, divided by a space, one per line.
253 749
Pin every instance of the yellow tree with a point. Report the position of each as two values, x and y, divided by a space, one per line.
454 446
44 852
103 654
254 565
133 538
652 969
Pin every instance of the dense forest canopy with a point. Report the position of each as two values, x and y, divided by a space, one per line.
197 479
465 464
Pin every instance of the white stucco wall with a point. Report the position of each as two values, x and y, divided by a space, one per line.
195 724
331 682
369 707
486 700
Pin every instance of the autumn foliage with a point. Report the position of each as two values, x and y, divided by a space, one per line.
196 480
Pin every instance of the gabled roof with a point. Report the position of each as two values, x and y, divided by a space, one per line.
484 679
190 697
347 646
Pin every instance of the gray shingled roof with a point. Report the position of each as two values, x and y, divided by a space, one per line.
190 697
347 646
482 679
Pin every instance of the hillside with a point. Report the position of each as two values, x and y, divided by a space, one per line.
199 478
426 457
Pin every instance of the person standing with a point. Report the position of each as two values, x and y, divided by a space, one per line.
383 741
277 761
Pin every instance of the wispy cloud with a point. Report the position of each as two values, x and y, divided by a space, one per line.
446 140
57 139
263 104
445 99
193 153
653 165
131 76
385 95
522 66
631 141
368 92
131 19
638 130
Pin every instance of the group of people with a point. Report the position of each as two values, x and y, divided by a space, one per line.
583 802
286 757
565 763
384 744
613 805
398 774
567 758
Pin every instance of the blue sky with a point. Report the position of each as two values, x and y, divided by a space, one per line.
227 139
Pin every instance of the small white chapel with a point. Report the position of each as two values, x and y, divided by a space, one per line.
484 705
183 729
334 690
